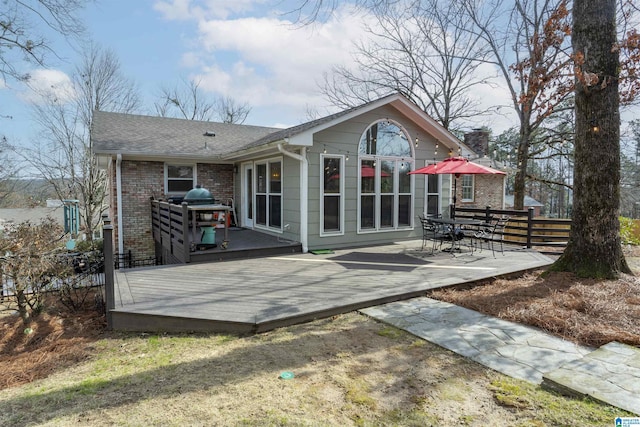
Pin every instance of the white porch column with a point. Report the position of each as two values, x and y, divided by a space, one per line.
304 193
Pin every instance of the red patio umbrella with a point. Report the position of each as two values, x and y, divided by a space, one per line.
456 166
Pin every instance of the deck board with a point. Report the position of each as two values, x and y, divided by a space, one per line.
257 294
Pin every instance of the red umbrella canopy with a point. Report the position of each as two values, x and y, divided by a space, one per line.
457 166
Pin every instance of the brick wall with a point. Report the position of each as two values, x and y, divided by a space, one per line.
218 179
143 180
478 141
487 192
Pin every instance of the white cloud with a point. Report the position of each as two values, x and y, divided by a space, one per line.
47 84
183 10
496 96
179 10
269 62
275 66
191 60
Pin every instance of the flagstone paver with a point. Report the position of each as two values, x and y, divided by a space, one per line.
610 374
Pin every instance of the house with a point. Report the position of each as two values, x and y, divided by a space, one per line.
14 216
528 202
337 181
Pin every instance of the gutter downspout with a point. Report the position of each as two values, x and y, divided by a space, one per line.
119 201
304 193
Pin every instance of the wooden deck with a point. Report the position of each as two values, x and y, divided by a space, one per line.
259 294
245 243
176 230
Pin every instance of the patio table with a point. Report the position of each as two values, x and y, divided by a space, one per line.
456 224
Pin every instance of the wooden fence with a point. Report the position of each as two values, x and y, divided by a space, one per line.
523 227
170 225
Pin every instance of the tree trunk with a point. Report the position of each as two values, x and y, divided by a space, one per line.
594 248
23 306
522 157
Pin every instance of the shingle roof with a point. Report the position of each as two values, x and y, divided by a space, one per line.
131 134
161 136
528 201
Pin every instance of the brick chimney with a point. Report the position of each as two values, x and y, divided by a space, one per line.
478 141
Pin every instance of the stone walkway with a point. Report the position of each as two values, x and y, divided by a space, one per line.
610 374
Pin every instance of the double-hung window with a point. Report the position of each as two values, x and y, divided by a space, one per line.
467 188
332 195
179 178
433 184
385 156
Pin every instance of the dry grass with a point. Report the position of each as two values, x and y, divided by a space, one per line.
349 370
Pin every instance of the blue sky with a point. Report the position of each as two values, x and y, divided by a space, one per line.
245 49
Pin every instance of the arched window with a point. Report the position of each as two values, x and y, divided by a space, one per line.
385 156
385 138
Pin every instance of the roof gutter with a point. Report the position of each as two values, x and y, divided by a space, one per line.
304 193
119 201
236 155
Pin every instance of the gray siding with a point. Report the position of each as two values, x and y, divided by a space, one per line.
343 139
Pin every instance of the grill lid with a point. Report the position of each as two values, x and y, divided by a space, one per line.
198 196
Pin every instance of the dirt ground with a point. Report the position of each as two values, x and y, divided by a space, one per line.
584 311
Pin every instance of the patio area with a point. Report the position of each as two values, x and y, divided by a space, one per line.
259 294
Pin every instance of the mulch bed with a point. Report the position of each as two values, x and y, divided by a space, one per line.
585 311
59 339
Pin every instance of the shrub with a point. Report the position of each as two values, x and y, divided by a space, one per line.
89 245
630 231
30 264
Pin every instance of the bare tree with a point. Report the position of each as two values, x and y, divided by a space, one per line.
8 172
228 110
594 248
187 100
63 153
29 265
530 50
24 26
426 51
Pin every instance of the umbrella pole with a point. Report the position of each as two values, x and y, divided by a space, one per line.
452 214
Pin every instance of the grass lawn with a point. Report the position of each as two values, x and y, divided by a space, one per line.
348 370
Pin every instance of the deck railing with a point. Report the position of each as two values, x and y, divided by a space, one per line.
523 227
170 225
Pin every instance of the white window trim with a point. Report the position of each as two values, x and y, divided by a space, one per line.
473 189
377 158
166 176
341 195
267 162
377 195
426 189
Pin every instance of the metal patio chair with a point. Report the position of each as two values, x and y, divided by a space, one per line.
493 234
